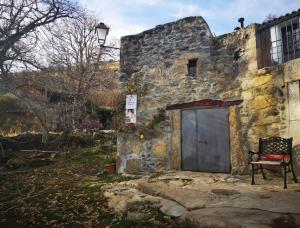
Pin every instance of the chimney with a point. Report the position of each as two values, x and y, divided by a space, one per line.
241 20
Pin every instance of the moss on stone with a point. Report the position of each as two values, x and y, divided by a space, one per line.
159 116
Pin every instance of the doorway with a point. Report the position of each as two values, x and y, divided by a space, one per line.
205 140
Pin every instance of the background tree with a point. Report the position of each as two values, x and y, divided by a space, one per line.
270 17
20 24
19 34
75 55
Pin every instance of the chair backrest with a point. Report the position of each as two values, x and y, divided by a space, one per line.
275 145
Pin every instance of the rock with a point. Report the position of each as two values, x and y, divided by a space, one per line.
225 192
247 95
189 198
117 200
148 190
141 201
224 178
262 101
232 180
258 81
172 208
122 199
211 180
239 217
159 148
14 163
131 215
277 202
263 71
219 204
133 166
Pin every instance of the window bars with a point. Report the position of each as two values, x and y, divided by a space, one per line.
285 41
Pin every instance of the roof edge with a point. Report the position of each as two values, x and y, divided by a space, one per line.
185 19
280 19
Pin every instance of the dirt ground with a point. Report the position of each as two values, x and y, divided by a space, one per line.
74 191
64 194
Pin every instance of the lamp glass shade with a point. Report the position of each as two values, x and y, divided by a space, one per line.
102 31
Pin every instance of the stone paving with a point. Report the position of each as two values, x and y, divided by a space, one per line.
214 200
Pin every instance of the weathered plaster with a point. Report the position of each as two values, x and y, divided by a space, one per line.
291 70
175 156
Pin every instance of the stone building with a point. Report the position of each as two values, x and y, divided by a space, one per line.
204 101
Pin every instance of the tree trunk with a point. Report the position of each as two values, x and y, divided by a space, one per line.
45 137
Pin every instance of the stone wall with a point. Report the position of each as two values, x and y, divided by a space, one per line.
154 66
291 73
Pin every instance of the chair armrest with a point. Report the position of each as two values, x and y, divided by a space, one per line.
287 158
250 155
252 152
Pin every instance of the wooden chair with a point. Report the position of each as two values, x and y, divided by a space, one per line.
275 151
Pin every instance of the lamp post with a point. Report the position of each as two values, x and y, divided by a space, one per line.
102 30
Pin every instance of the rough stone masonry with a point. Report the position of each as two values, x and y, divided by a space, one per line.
154 66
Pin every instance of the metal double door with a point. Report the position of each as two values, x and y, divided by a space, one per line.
205 140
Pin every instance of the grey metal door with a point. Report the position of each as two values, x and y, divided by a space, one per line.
205 140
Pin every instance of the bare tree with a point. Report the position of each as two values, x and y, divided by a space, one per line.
20 21
270 17
75 54
32 89
72 51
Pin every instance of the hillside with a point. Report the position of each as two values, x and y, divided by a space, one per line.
52 90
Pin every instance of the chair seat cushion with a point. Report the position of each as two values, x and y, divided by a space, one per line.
266 162
275 156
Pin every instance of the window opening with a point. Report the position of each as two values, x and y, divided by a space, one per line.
285 41
192 67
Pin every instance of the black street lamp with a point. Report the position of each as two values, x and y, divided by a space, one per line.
102 31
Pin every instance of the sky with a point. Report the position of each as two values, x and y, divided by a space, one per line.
127 17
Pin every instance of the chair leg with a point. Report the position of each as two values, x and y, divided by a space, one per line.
262 171
253 183
293 172
284 185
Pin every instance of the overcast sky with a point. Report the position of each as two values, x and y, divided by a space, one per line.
126 17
